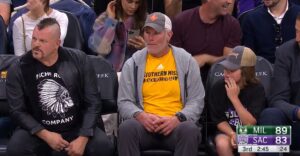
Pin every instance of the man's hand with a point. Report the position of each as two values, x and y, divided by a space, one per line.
149 121
54 140
77 146
232 89
167 125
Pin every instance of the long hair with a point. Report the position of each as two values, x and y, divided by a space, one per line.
248 76
139 16
46 3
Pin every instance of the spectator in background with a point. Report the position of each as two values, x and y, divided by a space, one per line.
5 10
207 32
170 7
53 97
17 3
285 89
5 122
161 95
245 5
189 4
297 2
268 26
24 25
100 6
117 31
241 98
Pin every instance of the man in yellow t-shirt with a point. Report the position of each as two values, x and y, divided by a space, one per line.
160 95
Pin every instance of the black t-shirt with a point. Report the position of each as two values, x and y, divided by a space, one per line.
58 111
221 109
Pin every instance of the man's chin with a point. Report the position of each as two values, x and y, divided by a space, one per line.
36 55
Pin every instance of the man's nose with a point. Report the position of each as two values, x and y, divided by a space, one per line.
150 37
230 1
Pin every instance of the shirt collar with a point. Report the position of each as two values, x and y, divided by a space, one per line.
279 18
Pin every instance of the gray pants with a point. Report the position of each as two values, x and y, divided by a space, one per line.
134 138
22 143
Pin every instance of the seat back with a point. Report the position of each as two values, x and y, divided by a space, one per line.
3 37
74 37
5 62
107 83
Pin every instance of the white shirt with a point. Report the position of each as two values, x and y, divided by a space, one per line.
18 36
279 18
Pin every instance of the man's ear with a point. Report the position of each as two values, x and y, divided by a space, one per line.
58 42
169 34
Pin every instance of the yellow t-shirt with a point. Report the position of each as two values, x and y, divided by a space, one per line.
161 90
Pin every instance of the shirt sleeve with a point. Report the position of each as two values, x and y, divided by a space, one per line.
176 39
235 33
281 85
18 37
103 36
92 101
248 38
217 106
16 99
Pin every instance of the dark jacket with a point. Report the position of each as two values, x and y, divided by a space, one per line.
285 83
262 34
79 78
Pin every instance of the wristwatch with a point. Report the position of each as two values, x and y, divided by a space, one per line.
180 116
135 114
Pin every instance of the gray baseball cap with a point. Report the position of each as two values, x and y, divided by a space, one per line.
240 57
158 21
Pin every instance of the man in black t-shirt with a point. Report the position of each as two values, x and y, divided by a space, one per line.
54 100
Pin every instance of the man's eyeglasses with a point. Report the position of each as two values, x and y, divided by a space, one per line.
278 37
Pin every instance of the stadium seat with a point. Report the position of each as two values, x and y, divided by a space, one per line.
74 37
3 37
5 62
264 72
107 83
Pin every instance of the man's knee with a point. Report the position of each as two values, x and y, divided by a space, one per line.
129 127
17 143
100 144
222 142
189 129
272 116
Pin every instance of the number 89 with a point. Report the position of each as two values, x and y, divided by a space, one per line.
281 130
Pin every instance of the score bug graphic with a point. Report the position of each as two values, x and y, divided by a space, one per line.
264 139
